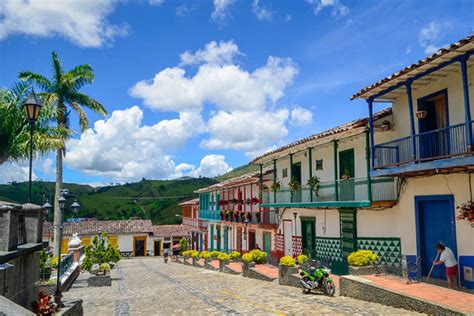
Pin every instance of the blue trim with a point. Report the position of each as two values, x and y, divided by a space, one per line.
371 127
427 72
441 197
423 166
412 118
467 108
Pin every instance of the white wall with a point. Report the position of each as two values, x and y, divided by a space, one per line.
328 219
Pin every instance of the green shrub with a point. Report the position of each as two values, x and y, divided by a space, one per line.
98 252
302 258
183 244
215 254
259 256
205 255
247 258
234 255
362 258
105 267
194 254
223 257
186 253
287 261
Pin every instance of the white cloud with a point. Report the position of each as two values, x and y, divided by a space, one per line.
250 132
82 22
339 10
156 2
262 12
210 166
121 148
217 81
213 53
301 116
430 36
15 171
221 10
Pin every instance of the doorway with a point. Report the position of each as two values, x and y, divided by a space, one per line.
308 234
288 237
435 224
218 238
226 239
434 144
267 242
252 240
139 246
157 248
239 239
347 174
296 174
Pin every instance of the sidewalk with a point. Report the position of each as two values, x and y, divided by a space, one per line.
452 299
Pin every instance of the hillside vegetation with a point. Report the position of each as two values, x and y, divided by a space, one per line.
149 199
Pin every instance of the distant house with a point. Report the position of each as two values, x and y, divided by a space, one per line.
131 237
167 236
190 213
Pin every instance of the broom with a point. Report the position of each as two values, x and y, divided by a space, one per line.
432 267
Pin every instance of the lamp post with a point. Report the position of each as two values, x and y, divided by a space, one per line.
47 207
32 109
75 208
57 294
295 214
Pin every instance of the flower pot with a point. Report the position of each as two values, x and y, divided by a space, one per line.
385 127
346 177
421 114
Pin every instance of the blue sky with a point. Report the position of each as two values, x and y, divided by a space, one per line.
198 87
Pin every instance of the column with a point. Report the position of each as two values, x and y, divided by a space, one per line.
290 174
467 109
310 164
367 159
371 129
412 119
274 179
336 183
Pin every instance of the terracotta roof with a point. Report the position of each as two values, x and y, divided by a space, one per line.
362 122
91 227
438 55
190 202
173 230
251 177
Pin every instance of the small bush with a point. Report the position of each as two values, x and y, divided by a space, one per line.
302 258
247 258
234 255
259 256
362 258
194 254
215 254
223 257
205 255
287 261
187 253
105 267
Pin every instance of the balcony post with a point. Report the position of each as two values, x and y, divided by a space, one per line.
310 164
367 159
274 179
412 119
261 183
290 175
371 129
467 109
336 185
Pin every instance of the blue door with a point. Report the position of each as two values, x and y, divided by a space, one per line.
435 215
212 238
226 239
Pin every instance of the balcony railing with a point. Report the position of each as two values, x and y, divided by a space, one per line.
441 143
351 190
207 214
265 217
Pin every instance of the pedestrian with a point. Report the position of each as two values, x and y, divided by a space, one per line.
446 257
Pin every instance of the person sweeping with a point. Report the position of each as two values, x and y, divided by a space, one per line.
446 257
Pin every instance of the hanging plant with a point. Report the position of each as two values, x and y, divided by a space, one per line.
255 200
235 201
247 201
466 211
294 185
346 175
313 184
275 186
386 125
264 188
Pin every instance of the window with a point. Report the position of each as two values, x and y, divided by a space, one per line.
285 172
319 164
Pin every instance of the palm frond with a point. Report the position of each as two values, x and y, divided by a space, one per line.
79 76
57 69
86 101
83 120
33 78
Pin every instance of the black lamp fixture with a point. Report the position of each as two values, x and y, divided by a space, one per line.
295 214
47 208
246 223
57 295
75 207
32 108
62 202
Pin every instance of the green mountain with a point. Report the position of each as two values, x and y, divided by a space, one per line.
151 199
239 171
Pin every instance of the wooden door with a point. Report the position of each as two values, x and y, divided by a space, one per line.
347 167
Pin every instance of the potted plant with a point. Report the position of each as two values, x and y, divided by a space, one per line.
255 200
223 260
421 113
45 305
294 185
466 211
362 262
386 125
313 184
248 201
247 260
275 186
222 215
286 268
346 175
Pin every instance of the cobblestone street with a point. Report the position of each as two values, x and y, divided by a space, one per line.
147 286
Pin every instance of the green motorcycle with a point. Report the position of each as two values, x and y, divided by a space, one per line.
316 277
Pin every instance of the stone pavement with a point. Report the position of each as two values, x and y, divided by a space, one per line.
147 286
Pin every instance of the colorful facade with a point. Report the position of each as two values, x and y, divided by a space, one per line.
190 214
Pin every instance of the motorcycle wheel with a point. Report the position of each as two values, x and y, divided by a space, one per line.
329 288
305 290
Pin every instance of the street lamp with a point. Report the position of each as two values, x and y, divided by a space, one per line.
32 109
294 215
75 208
57 294
47 207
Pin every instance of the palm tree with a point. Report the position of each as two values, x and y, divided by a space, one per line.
62 91
14 126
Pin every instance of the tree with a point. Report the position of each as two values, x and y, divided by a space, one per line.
61 92
14 129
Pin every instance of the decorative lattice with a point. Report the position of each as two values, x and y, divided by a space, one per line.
279 242
388 250
328 249
297 245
